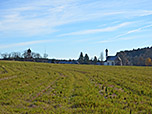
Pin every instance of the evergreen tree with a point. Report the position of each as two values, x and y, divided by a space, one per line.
95 60
86 59
81 58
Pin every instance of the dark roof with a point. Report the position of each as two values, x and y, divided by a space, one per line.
111 58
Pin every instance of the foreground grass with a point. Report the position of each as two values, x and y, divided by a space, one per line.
52 88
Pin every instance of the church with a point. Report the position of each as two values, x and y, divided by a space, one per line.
112 60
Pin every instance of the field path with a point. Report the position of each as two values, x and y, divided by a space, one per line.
48 87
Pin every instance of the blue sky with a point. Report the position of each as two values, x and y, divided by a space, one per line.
64 28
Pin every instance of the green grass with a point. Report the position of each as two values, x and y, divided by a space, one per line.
27 88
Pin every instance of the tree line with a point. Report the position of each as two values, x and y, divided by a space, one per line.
84 59
136 57
28 54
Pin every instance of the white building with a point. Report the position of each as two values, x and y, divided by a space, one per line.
112 60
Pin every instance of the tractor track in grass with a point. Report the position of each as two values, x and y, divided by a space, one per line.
47 88
99 85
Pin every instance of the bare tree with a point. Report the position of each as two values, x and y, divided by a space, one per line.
16 55
25 55
45 55
36 55
101 56
4 55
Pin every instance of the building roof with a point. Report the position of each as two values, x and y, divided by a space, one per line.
111 58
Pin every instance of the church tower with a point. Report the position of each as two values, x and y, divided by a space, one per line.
106 53
29 53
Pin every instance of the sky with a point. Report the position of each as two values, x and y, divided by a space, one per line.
64 28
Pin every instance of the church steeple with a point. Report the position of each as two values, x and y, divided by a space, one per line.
106 53
29 53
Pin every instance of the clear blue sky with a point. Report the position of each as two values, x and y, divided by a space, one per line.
64 28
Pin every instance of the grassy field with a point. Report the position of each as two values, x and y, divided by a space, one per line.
27 88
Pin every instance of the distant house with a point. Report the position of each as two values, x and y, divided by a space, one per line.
112 60
68 62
